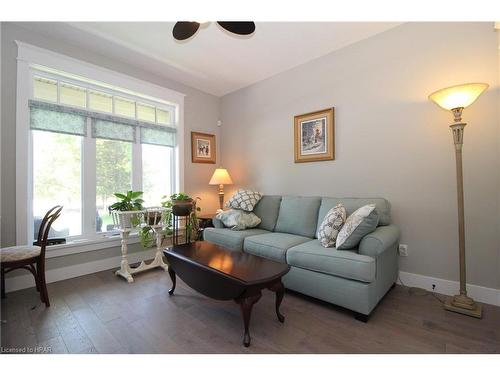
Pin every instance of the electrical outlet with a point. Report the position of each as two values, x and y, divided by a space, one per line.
403 250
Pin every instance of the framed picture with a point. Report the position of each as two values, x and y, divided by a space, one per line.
314 136
203 148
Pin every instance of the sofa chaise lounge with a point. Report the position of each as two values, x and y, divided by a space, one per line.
356 279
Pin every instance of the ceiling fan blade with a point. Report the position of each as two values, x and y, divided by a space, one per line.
184 30
237 27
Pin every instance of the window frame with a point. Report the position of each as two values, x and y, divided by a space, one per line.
32 61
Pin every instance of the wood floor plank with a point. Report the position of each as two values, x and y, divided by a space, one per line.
102 313
71 332
55 345
96 331
130 339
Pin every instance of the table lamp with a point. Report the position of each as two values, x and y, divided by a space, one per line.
455 99
221 177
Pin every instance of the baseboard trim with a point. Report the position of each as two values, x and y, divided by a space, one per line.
69 272
447 287
450 288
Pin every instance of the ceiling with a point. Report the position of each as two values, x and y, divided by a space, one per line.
214 60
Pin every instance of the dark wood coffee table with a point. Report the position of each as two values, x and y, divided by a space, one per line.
223 274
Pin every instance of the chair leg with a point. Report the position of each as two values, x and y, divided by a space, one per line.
2 281
44 295
37 278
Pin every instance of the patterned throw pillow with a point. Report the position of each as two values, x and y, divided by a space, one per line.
244 200
238 219
331 225
361 222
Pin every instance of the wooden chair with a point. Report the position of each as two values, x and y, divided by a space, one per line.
28 257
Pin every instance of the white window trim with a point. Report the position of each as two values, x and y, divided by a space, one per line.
29 56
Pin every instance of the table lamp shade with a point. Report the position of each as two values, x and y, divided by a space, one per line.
460 96
221 177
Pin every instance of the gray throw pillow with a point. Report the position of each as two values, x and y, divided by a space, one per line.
331 225
360 223
244 200
238 219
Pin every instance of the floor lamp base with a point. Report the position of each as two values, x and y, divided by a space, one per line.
463 304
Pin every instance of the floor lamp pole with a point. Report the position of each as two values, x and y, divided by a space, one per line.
461 303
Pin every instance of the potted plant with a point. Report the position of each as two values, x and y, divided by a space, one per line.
147 236
182 204
128 202
152 217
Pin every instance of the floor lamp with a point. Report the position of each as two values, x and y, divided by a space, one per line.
455 99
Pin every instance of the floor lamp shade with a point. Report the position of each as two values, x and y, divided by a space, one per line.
221 177
455 99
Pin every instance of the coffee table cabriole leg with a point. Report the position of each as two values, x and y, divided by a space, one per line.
246 304
279 289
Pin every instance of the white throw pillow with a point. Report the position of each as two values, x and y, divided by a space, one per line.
361 222
244 200
238 219
331 225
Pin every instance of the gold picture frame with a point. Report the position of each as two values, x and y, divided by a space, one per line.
314 136
203 148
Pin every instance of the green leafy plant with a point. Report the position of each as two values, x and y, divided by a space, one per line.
183 199
130 201
147 236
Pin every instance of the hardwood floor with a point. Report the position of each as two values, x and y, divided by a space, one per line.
101 313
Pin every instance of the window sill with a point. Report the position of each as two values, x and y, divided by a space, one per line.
83 246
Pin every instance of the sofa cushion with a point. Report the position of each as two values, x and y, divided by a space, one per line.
230 239
238 219
272 245
362 222
298 215
352 204
244 200
346 263
267 210
331 225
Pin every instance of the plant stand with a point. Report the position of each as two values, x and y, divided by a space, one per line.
125 270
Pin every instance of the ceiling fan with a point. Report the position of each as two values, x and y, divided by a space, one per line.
184 30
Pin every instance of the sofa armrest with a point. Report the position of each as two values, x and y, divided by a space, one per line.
381 239
217 223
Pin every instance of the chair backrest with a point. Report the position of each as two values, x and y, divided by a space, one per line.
47 221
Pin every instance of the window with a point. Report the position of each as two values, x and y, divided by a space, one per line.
57 178
45 89
91 141
113 174
73 95
154 177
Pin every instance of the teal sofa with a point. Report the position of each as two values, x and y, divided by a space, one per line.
356 279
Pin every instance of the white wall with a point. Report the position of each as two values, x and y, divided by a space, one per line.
390 140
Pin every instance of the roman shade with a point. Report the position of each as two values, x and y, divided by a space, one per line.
69 120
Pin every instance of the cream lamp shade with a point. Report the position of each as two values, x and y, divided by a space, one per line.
220 177
460 96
